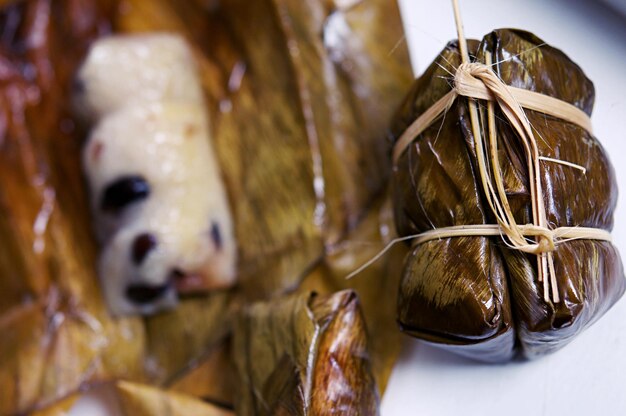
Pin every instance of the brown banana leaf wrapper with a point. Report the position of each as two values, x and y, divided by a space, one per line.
304 354
56 331
474 295
298 108
288 109
143 400
212 378
376 286
297 133
124 398
60 408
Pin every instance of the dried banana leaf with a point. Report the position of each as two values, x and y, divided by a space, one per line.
177 339
56 330
474 295
60 408
142 400
376 286
271 133
124 398
298 112
285 102
213 378
304 355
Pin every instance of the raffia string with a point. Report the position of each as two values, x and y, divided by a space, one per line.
477 81
559 235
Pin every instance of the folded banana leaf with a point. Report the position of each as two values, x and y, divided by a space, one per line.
56 331
286 133
212 378
124 398
475 295
304 355
298 107
60 408
376 285
143 400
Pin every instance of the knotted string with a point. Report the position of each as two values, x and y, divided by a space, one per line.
478 81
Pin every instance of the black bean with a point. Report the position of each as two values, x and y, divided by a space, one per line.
123 192
142 294
216 235
143 244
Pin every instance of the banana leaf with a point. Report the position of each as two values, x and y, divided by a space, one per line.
306 122
474 295
376 285
297 122
56 329
60 408
124 398
213 378
304 354
143 400
298 111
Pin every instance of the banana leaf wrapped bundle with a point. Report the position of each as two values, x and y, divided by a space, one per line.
304 354
478 295
279 140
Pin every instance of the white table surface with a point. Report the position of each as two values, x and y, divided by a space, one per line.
587 377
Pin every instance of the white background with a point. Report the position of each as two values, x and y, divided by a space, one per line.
588 377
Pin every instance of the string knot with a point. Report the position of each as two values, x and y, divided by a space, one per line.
545 239
546 244
477 80
468 74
